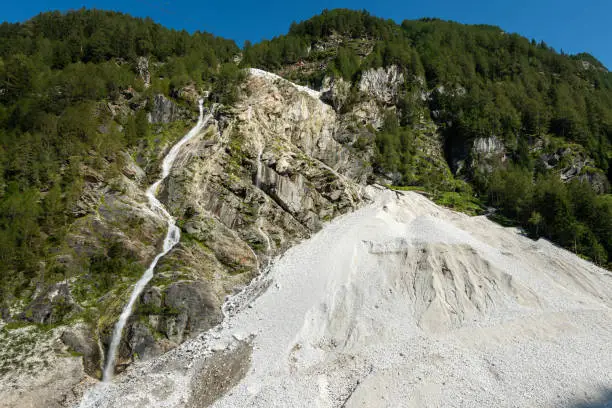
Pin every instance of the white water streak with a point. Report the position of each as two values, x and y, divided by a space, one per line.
172 238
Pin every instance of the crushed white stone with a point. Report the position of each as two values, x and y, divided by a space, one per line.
405 304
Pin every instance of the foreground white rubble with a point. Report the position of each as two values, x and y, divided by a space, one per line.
401 304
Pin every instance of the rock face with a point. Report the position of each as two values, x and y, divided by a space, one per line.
486 154
163 110
488 146
335 91
263 176
142 66
382 84
118 214
479 155
80 339
275 160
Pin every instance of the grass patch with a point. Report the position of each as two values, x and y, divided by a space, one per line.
419 189
462 202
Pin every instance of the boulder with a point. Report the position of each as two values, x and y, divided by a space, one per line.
142 343
81 339
190 308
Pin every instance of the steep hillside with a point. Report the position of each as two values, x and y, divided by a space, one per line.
260 176
401 303
292 134
507 111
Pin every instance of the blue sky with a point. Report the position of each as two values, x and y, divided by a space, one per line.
571 25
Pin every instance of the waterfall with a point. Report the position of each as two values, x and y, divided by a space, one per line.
261 231
172 238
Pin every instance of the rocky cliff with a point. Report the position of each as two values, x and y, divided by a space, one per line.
400 303
264 174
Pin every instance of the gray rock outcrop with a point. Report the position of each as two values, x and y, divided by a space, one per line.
335 91
573 163
142 67
163 110
486 154
81 340
382 84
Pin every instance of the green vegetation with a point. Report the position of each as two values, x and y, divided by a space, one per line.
71 98
460 201
402 154
571 214
481 82
464 202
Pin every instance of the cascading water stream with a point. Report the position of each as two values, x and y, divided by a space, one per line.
172 238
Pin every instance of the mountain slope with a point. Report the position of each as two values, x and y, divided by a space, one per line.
260 177
468 115
401 303
508 111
